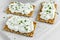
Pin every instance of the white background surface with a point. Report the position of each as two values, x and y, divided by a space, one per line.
54 35
43 31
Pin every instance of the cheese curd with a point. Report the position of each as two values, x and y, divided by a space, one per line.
21 24
20 7
48 11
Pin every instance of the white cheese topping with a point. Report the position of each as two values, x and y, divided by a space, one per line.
21 24
20 7
48 11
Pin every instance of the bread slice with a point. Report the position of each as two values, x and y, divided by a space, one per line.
20 14
50 21
30 34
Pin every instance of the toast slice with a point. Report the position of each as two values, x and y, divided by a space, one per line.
50 21
29 34
29 12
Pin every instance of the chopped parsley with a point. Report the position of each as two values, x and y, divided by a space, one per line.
27 25
3 17
44 16
21 22
30 6
24 20
26 28
14 38
49 7
12 24
57 13
18 3
23 10
45 7
11 6
15 2
22 7
16 8
47 11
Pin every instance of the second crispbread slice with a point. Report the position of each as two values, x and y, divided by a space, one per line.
20 14
29 34
50 21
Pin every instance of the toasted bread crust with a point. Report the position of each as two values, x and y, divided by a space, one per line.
17 32
50 21
20 14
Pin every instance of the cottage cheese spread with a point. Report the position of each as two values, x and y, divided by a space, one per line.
20 7
21 24
48 11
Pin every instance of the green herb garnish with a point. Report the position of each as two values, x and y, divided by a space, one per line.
3 17
27 25
24 20
49 7
30 6
15 2
14 38
12 24
11 6
22 7
45 7
47 11
21 21
16 8
26 28
23 10
44 16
